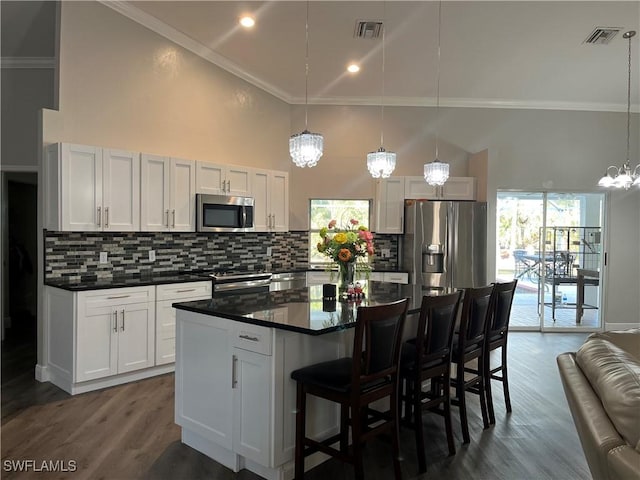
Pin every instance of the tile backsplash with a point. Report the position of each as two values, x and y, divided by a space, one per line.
76 255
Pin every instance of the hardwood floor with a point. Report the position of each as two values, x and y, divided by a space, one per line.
128 432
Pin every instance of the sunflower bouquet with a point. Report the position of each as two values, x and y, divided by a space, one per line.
346 245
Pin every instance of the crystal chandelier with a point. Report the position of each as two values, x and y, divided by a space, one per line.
381 163
306 148
623 177
437 172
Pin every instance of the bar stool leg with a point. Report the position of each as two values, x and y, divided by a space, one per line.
505 381
356 434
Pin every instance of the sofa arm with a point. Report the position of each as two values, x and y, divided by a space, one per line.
624 463
596 432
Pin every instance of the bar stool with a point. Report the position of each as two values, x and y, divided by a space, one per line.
354 385
468 345
428 357
497 332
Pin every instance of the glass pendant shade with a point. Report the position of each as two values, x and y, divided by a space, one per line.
436 172
306 148
381 164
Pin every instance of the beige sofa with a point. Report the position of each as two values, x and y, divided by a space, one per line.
602 384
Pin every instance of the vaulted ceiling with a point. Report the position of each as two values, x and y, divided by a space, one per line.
513 54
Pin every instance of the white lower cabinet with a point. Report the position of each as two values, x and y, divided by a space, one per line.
166 296
235 399
99 338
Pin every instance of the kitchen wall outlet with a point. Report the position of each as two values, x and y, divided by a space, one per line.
269 251
385 253
103 257
152 255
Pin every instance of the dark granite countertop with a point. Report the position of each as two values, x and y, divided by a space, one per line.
304 310
142 280
125 281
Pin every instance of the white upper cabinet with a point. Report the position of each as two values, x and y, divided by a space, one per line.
182 200
270 190
168 187
390 205
91 189
217 179
455 188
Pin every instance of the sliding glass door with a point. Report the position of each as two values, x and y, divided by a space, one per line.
551 242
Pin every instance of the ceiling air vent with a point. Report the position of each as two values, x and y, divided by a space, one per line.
602 35
368 29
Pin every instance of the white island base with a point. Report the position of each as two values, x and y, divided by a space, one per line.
235 399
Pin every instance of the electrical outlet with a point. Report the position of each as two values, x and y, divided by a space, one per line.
269 251
385 252
152 255
103 257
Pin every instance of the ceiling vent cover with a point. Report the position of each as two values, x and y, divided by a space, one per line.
602 35
368 29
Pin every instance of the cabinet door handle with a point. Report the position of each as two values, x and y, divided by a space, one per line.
167 212
273 221
234 361
106 217
173 224
115 321
118 296
99 216
122 312
228 186
248 337
186 290
224 186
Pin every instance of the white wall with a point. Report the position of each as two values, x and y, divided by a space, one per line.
124 86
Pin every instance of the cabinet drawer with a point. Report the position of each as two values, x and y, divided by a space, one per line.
179 291
400 277
252 338
116 296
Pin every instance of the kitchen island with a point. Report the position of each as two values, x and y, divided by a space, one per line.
235 400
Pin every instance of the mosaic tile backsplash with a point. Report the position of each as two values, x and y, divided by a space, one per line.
76 255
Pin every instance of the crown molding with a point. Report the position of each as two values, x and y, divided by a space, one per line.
467 103
29 62
152 23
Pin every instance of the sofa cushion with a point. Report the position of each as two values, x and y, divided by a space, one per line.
614 374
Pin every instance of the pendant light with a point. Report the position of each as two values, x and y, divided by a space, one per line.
623 177
306 148
437 172
381 163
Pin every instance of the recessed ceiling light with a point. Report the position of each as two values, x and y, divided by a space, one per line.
353 68
247 21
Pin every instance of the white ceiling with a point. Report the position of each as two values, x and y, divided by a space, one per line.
513 54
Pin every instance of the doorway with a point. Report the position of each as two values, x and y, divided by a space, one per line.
551 243
20 258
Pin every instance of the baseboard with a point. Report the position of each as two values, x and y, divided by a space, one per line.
620 326
42 373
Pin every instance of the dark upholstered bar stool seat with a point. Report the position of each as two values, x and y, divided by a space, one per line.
354 385
497 333
428 357
469 345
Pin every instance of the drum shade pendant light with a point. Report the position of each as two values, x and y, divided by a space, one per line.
306 148
437 172
381 163
623 177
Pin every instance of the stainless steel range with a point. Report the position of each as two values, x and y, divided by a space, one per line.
232 280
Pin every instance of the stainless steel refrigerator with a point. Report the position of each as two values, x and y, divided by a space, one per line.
445 243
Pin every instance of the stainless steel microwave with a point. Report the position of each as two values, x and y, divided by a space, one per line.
219 213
